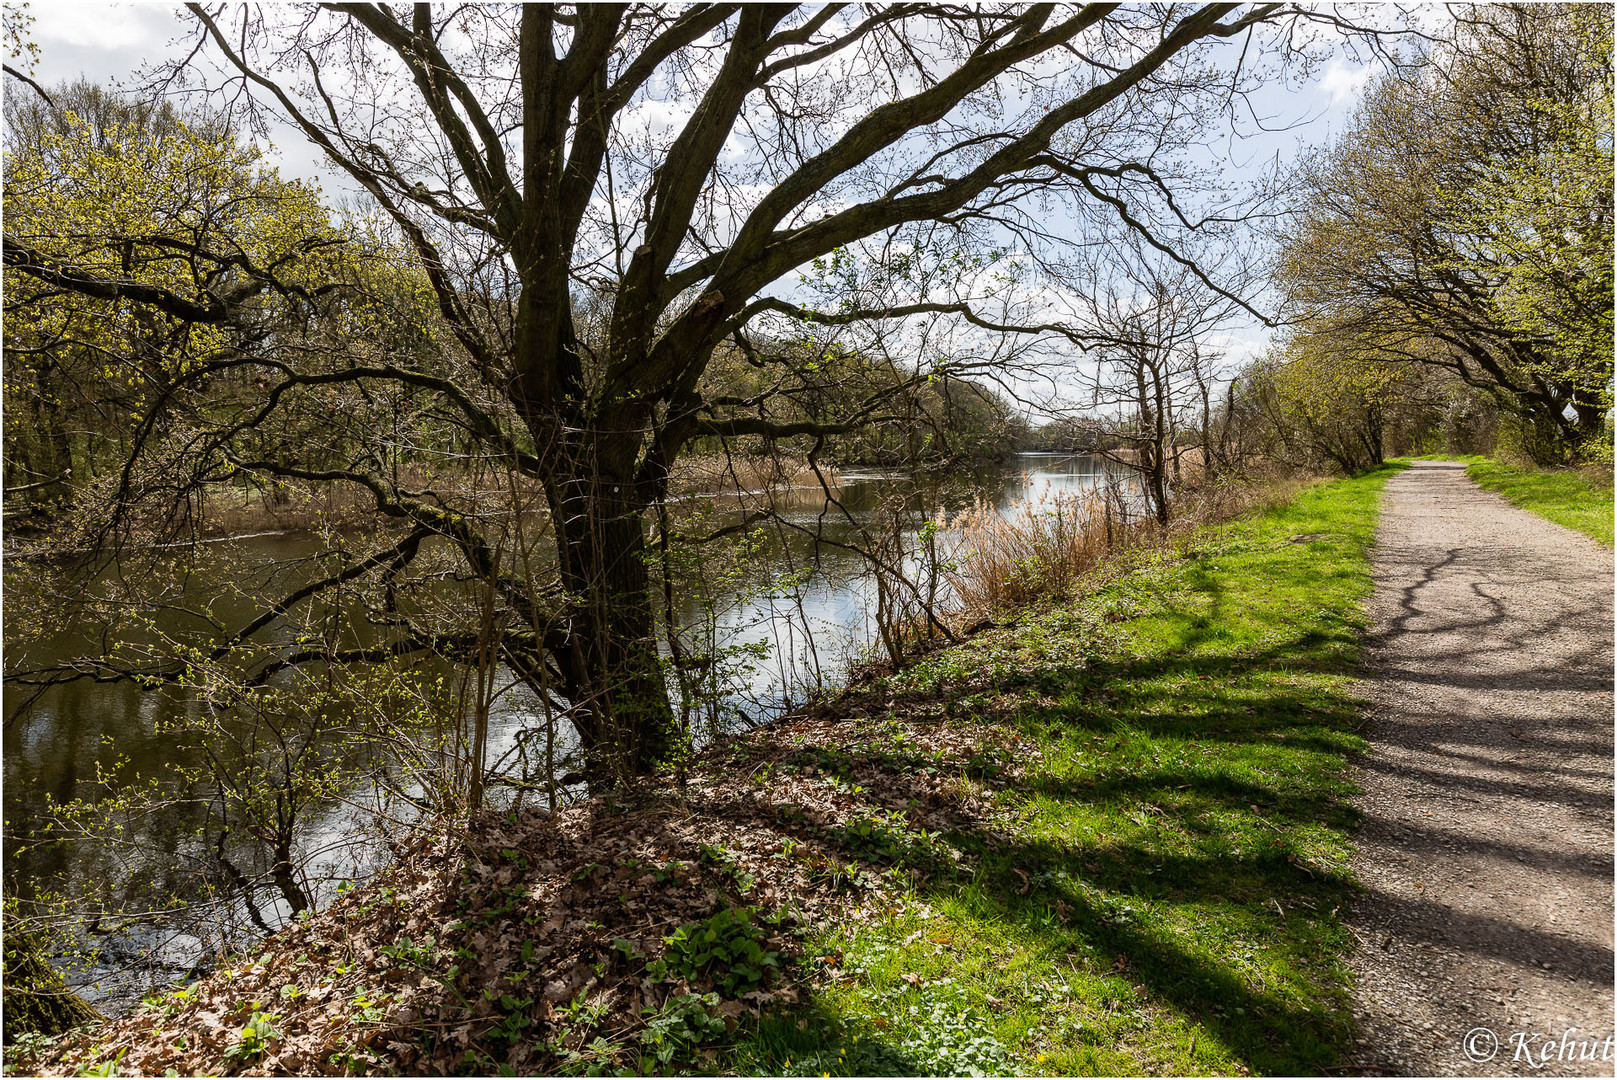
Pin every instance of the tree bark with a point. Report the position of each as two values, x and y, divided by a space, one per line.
37 999
614 676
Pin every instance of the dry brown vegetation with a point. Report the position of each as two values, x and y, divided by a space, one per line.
232 511
723 474
1004 562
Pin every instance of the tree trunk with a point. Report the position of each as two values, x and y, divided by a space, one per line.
1591 418
614 677
1159 490
55 450
588 441
37 999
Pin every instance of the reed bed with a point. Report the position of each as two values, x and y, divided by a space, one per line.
1008 560
745 473
1002 561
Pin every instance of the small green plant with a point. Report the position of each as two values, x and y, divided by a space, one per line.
405 951
368 1006
725 864
26 1046
256 1035
889 837
509 1029
840 876
727 946
106 1068
669 871
681 1025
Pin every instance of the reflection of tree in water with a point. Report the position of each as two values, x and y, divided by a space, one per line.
796 604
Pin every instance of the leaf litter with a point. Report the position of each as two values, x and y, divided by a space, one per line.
528 942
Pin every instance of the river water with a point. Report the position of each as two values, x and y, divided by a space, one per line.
784 619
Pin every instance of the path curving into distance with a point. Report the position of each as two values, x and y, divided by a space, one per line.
1487 837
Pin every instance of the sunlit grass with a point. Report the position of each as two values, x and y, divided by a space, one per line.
1563 496
1160 892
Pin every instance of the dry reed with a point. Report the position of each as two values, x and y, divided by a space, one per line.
1001 562
230 510
745 473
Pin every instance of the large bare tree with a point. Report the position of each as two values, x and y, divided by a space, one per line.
665 168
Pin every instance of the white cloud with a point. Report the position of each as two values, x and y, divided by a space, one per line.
100 41
1345 81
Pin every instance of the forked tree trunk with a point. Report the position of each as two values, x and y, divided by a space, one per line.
588 445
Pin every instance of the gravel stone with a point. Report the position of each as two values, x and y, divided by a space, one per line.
1487 835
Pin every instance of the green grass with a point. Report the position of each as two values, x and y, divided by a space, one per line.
1563 496
1160 892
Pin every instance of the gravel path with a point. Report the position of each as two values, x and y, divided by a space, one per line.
1486 848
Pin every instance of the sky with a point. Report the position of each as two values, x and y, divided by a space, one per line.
110 43
113 42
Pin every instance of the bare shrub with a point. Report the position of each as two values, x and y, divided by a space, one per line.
1008 560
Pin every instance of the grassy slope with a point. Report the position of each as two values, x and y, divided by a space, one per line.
1559 495
1162 896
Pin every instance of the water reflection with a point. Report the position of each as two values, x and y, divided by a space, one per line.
778 624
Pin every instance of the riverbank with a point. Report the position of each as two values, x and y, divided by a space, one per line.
1108 838
235 512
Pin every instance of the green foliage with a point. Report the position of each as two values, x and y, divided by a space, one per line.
931 410
681 1025
37 1001
890 838
1543 218
254 1037
1465 220
105 1068
171 202
1327 402
725 863
16 28
726 947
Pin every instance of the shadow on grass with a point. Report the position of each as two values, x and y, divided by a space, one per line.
1269 1029
803 1043
1180 843
1219 847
